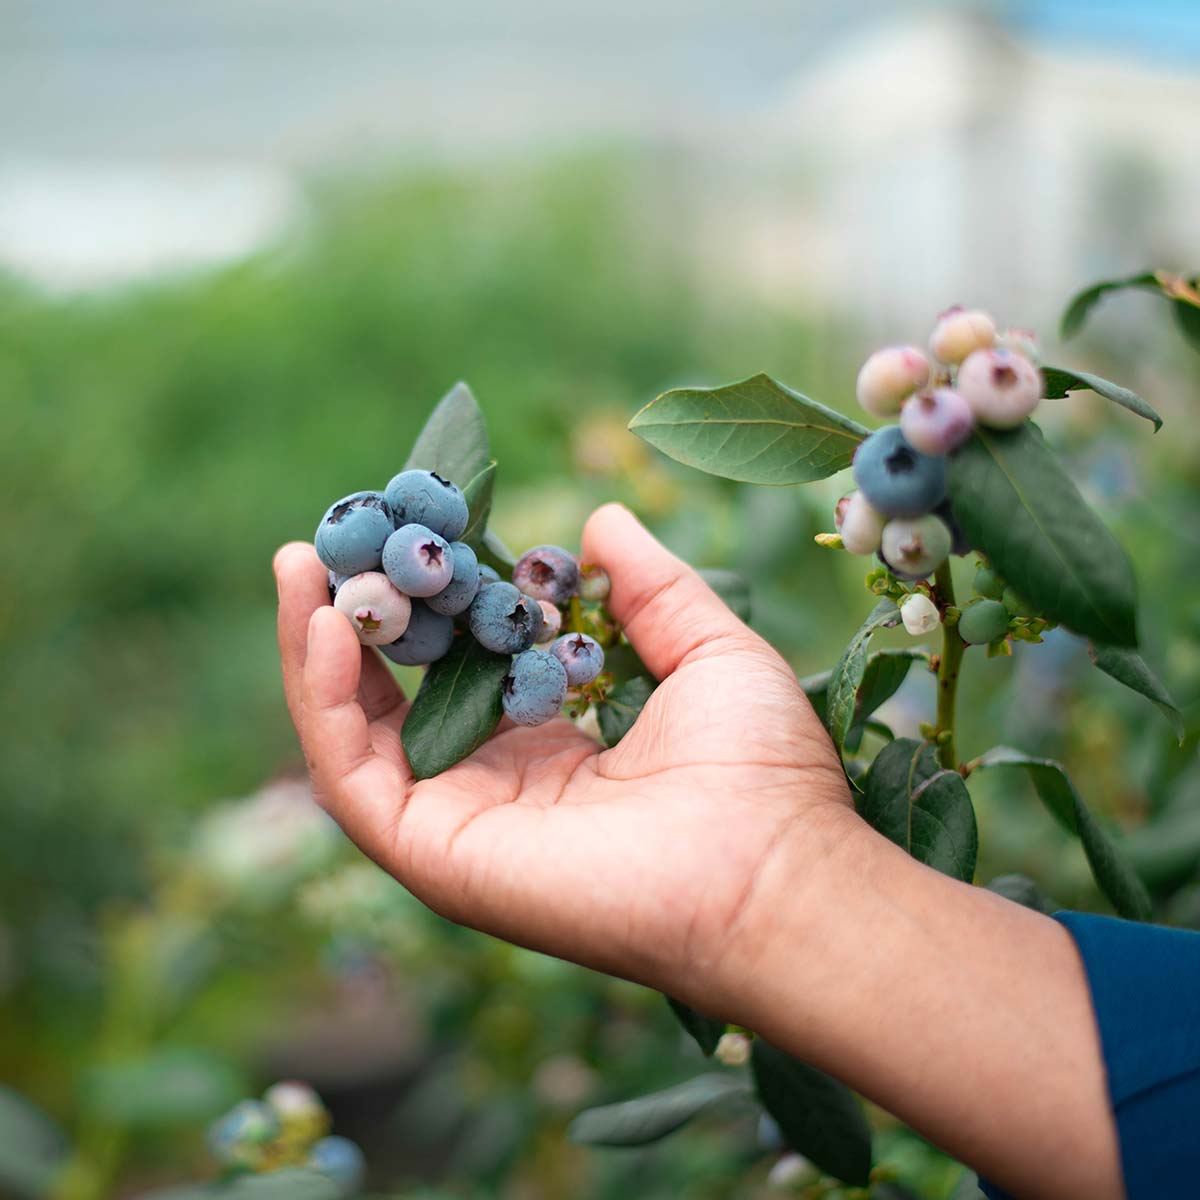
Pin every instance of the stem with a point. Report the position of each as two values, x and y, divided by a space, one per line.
948 671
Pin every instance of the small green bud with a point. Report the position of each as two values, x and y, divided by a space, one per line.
1000 648
928 732
831 541
943 737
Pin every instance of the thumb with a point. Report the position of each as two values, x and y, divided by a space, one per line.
669 613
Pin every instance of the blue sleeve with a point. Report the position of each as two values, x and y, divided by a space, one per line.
1145 983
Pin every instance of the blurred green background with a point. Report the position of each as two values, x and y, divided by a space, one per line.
178 924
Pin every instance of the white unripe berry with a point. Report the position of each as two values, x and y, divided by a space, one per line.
889 377
551 622
378 612
919 614
916 546
859 524
733 1050
1001 386
959 332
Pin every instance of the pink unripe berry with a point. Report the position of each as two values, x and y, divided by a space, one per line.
551 622
936 422
859 524
1021 341
960 332
378 612
1001 386
916 546
889 376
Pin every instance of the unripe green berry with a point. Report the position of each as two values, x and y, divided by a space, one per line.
988 584
982 622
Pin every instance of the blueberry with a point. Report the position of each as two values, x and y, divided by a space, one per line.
594 583
503 620
336 581
487 575
534 688
890 375
551 622
378 612
457 595
988 584
547 573
237 1139
859 524
418 561
897 479
936 422
423 498
340 1160
915 546
960 332
1001 386
982 621
426 639
350 537
580 655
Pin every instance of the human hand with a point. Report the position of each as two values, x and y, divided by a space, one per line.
646 860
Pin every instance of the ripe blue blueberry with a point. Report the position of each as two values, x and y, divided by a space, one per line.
504 620
580 655
340 1160
896 478
378 612
915 546
487 575
936 422
547 573
418 561
457 595
423 498
350 537
426 639
535 688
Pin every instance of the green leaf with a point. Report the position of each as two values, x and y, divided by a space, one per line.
288 1184
886 670
1166 852
32 1147
1111 871
1059 381
925 810
756 431
622 707
1020 889
1080 307
819 1117
706 1030
848 674
478 494
456 709
1187 317
648 1118
496 554
1016 504
732 587
1128 667
454 441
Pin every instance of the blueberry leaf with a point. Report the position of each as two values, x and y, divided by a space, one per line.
478 494
818 1117
622 707
732 587
925 810
454 441
842 691
756 431
456 708
1058 381
291 1183
495 553
1080 307
1187 317
885 671
707 1031
1128 667
32 1147
649 1118
1016 504
1110 869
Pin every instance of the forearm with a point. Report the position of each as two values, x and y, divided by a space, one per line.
966 1015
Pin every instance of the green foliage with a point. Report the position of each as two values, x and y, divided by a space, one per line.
925 810
1059 382
649 1118
456 709
819 1117
1113 874
1128 667
1019 507
288 1184
1179 290
32 1147
622 706
841 693
454 440
756 431
706 1030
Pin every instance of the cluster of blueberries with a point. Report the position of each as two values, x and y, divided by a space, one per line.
971 376
288 1127
399 574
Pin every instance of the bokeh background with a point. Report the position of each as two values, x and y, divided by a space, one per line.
246 246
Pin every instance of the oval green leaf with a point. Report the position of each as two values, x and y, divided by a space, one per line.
756 431
1110 869
478 494
456 708
288 1184
846 677
1128 667
925 810
707 1031
454 441
1081 304
1014 502
819 1117
622 707
885 671
1058 381
649 1118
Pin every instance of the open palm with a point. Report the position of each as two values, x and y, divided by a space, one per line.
642 860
